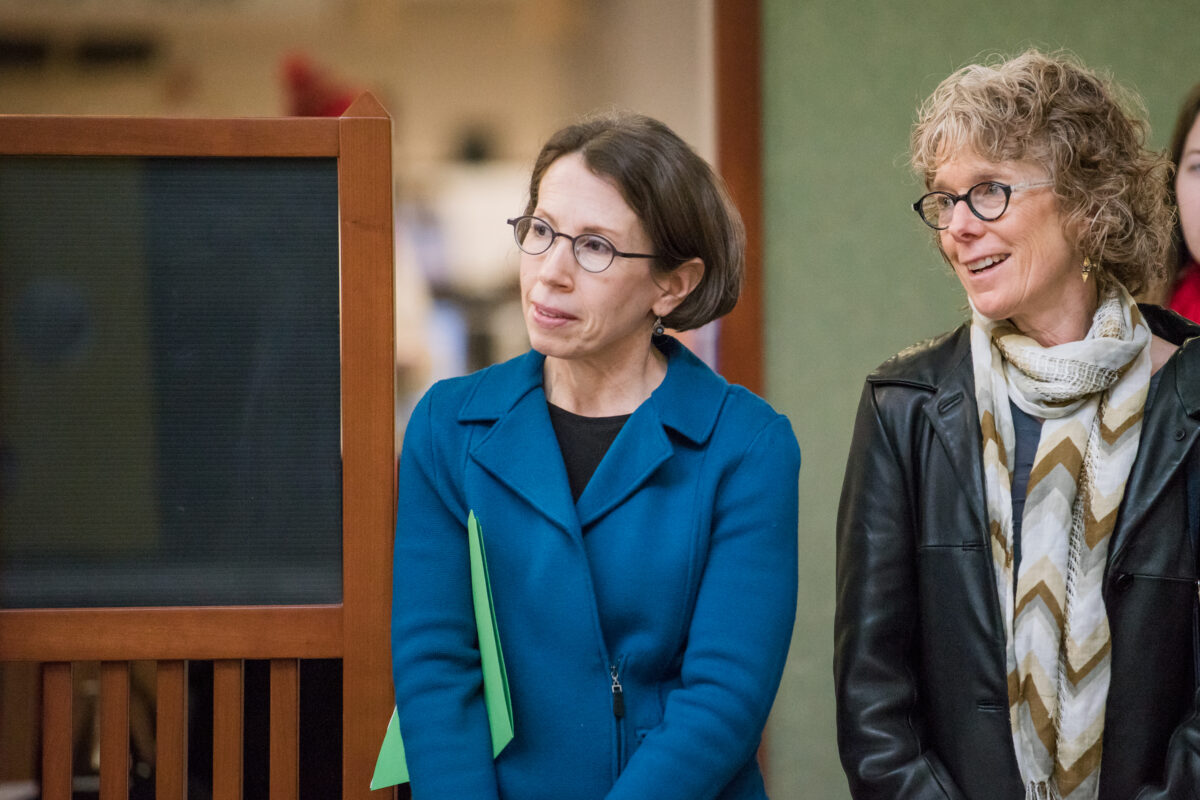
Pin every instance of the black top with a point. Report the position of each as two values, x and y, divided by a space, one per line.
583 442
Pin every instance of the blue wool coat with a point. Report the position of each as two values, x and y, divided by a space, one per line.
676 570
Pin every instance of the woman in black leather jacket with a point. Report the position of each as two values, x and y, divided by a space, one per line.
1017 603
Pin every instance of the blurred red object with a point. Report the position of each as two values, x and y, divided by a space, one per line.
312 90
1186 299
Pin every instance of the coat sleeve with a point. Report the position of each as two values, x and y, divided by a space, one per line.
435 655
879 722
739 632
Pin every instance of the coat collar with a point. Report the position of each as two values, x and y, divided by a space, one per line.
944 367
1174 417
952 413
521 451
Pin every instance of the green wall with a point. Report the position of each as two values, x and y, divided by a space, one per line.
851 274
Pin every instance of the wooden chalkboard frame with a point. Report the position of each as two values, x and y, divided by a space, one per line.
355 630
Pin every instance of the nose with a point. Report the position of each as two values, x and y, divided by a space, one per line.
963 222
557 266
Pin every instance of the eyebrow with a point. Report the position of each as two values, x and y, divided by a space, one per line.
973 180
594 230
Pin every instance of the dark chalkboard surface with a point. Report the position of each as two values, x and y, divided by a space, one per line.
169 382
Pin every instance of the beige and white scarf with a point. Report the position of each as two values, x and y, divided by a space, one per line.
1090 395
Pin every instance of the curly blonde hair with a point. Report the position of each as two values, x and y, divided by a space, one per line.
1086 131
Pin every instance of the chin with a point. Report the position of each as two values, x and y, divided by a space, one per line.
993 307
993 312
549 346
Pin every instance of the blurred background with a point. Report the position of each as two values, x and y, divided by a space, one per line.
475 86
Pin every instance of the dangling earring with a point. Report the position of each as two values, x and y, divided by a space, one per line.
1088 264
658 327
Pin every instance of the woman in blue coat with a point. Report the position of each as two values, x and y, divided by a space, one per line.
638 512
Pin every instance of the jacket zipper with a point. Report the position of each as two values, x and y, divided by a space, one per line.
618 710
618 692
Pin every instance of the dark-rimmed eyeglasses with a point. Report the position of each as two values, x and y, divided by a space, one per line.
593 252
987 200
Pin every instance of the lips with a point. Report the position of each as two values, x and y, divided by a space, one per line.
980 264
550 316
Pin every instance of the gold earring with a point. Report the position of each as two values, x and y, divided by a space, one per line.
1087 268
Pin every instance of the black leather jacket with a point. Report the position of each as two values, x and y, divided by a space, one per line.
919 658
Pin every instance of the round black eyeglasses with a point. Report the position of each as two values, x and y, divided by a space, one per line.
593 252
987 200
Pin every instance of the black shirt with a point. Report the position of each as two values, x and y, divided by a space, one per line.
583 442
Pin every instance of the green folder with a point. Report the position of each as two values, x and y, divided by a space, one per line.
391 767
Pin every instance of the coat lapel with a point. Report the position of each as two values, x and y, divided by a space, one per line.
520 450
687 402
953 414
1174 418
639 449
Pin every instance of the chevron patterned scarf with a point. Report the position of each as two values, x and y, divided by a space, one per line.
1090 395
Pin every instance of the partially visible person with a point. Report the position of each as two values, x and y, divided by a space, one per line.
639 512
1185 154
1016 547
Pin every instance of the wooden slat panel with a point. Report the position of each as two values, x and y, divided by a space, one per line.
57 690
153 634
170 758
739 160
367 435
285 729
228 704
114 730
132 136
20 716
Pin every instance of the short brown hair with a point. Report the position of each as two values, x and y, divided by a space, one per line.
681 202
1084 129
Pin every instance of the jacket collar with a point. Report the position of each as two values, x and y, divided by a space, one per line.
942 367
952 413
521 450
1174 415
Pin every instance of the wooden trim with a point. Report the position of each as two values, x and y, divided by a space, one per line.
131 136
738 56
739 160
57 710
152 634
368 419
114 730
170 739
228 708
357 630
285 729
